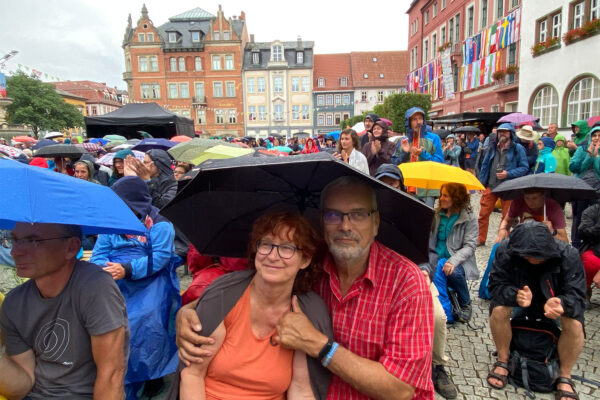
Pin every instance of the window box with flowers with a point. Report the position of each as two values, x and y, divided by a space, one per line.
512 69
590 28
552 43
444 46
499 75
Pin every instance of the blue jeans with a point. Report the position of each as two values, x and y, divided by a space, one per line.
458 283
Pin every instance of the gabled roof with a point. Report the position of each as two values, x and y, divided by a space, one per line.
196 14
394 65
289 53
332 67
93 92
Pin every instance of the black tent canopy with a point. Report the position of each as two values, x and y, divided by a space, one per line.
131 118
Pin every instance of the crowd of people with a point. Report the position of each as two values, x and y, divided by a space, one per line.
310 313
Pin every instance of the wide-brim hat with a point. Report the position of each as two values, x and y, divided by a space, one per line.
526 133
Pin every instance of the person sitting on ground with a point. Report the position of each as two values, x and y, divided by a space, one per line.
144 269
156 171
284 255
119 165
454 237
561 153
451 151
379 148
589 232
348 151
545 162
534 205
540 277
65 329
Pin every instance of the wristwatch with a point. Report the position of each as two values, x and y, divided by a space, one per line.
555 232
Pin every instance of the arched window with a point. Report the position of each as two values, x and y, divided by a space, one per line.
545 105
584 100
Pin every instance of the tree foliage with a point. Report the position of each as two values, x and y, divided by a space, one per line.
38 104
393 108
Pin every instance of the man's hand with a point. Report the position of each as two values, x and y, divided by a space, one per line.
416 151
524 297
116 270
571 145
553 308
502 234
548 223
296 332
405 145
188 337
501 175
448 269
133 167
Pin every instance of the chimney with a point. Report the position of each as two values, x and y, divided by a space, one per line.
252 38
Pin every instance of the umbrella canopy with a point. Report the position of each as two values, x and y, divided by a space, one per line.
23 139
466 129
51 135
114 138
559 187
60 150
432 175
12 152
181 138
149 144
591 121
44 143
107 159
38 195
99 141
220 151
442 133
217 208
359 127
335 135
187 151
90 147
283 149
518 118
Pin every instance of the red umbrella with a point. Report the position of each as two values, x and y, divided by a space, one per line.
23 139
591 121
180 139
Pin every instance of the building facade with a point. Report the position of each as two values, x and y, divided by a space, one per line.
278 87
376 75
560 71
464 53
191 65
333 93
99 98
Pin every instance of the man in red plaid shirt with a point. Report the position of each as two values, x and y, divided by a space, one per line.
379 302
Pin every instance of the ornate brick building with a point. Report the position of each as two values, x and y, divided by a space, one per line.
191 65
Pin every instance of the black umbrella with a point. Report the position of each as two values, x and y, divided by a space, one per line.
559 187
44 143
466 129
60 150
442 133
217 208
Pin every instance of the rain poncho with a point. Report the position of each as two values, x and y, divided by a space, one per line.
164 186
561 153
580 139
150 286
545 161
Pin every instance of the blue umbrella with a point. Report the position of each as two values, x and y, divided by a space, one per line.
99 141
44 143
335 135
37 195
149 144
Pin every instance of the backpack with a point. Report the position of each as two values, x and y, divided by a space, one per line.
533 362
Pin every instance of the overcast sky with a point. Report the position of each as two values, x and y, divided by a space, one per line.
81 39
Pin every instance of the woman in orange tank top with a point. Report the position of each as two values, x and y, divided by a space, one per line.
247 362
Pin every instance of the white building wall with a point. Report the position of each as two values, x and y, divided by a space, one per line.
559 67
372 97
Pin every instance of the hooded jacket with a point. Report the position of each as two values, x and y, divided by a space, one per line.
119 155
561 275
516 161
451 155
101 176
384 155
164 186
561 153
431 143
581 139
313 149
545 161
90 169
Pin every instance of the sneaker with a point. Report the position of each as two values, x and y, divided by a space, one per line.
442 383
465 313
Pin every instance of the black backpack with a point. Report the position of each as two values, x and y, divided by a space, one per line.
533 363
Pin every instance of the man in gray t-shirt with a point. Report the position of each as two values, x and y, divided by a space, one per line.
65 330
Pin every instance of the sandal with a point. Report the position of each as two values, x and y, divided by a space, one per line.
559 394
495 375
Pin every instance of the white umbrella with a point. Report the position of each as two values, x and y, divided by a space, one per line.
107 159
51 135
359 127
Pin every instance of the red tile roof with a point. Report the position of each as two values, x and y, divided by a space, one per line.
93 92
332 67
394 65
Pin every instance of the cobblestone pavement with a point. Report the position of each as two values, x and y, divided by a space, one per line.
470 351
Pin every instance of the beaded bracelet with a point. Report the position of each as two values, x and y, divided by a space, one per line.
329 355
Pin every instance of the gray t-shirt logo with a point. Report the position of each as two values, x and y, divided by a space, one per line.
52 340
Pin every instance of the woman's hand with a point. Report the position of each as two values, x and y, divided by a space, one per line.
595 152
448 269
134 167
337 155
345 156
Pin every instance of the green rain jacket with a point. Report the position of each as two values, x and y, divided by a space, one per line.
582 137
561 153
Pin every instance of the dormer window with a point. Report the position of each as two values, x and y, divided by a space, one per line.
226 35
344 81
299 57
195 37
321 82
277 53
172 37
217 35
141 37
256 58
150 37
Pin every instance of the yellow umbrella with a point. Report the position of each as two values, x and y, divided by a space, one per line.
432 175
221 151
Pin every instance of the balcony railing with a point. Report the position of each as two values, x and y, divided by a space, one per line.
127 76
507 83
199 100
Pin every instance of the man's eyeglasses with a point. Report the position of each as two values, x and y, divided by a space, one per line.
285 251
8 242
337 217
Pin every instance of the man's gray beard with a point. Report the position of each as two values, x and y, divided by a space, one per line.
347 255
